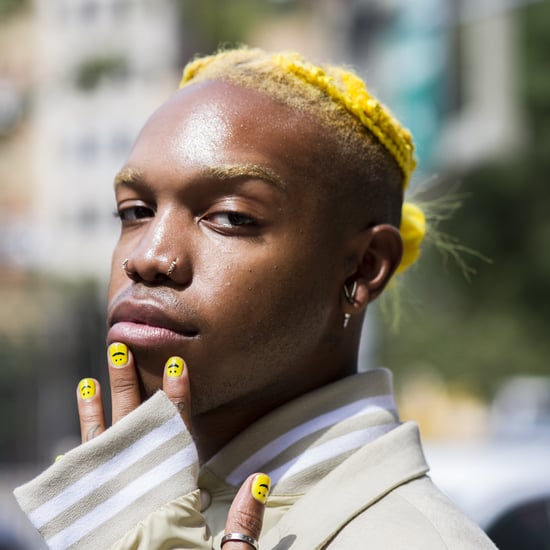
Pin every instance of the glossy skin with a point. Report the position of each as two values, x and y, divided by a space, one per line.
227 182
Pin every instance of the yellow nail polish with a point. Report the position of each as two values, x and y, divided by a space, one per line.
260 487
87 388
174 366
119 354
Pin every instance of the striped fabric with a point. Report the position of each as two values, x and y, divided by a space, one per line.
103 488
300 441
100 491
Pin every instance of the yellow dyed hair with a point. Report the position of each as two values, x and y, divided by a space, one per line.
365 130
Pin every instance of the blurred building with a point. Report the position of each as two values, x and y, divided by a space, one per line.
77 80
447 68
97 69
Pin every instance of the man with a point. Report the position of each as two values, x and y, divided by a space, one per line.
260 211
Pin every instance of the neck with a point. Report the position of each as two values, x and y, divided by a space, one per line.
214 429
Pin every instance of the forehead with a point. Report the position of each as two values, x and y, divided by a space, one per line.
214 122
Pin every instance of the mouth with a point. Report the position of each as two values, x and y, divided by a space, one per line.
146 324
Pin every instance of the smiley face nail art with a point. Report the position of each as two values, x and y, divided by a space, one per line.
260 487
87 388
119 354
174 366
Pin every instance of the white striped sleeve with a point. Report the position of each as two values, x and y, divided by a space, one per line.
104 488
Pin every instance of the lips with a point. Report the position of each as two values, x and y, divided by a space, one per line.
150 324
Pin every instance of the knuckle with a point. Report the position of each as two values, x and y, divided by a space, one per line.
90 416
250 523
123 386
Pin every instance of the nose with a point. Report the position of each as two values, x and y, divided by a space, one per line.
160 254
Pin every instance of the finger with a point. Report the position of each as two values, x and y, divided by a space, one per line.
125 394
246 513
176 386
90 409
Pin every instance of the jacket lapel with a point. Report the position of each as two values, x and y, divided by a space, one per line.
349 489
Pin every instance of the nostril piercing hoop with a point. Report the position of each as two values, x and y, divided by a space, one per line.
171 268
125 267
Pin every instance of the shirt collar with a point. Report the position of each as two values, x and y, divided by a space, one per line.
296 443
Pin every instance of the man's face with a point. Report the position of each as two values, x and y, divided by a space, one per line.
227 182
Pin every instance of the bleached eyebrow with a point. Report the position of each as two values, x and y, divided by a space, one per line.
247 170
129 177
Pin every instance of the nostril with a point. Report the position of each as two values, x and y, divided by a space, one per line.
161 278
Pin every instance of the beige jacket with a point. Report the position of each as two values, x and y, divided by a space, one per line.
346 474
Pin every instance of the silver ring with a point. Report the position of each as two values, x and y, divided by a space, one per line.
239 537
171 268
125 267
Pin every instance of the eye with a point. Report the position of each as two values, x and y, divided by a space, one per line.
134 213
231 219
232 223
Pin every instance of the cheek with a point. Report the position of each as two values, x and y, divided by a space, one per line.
264 298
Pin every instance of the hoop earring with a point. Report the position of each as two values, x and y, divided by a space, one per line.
350 296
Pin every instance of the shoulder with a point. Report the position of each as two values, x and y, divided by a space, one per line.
415 515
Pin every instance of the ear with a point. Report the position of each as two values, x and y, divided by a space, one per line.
379 251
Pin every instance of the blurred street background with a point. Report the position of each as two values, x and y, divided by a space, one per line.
471 352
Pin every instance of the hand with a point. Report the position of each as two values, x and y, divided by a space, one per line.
245 516
125 392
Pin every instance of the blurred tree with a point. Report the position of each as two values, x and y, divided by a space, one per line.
11 7
56 337
477 333
93 71
210 24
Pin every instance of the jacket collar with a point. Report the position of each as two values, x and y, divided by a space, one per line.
298 443
355 485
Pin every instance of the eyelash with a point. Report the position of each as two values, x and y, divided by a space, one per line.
235 220
122 213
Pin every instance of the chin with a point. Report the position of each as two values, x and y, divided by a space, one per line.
150 381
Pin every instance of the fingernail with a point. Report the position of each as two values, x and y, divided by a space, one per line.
174 366
87 388
260 487
118 353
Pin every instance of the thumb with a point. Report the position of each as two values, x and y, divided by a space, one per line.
245 518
